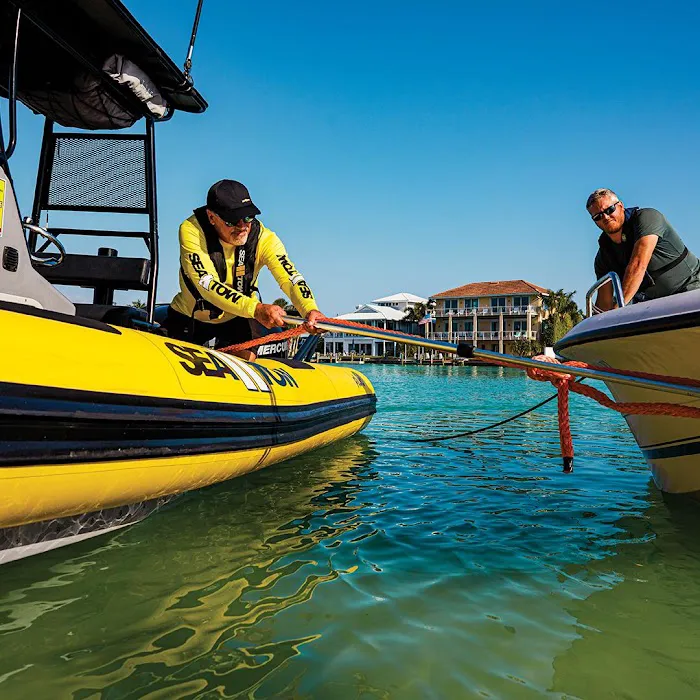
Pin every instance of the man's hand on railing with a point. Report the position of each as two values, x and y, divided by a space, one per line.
310 324
270 315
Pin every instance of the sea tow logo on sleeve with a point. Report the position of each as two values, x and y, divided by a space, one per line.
226 292
286 265
304 290
197 264
295 278
207 281
300 282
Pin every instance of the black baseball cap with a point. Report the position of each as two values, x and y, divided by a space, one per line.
231 201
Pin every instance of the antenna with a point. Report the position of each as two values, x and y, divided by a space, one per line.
188 61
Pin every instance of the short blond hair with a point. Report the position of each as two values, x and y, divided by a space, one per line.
599 194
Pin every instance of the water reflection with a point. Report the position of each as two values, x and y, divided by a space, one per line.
188 598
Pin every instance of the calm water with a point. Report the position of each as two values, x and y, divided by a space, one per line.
377 568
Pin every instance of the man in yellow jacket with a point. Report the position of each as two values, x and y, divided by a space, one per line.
223 247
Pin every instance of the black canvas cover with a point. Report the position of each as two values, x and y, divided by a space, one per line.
63 46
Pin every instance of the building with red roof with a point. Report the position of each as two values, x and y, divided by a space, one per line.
490 315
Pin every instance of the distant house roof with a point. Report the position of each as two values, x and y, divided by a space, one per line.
373 312
401 296
484 289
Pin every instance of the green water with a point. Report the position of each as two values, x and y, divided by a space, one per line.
377 568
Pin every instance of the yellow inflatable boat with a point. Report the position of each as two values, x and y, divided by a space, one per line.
95 416
102 417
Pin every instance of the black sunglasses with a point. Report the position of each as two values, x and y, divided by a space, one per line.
605 212
245 220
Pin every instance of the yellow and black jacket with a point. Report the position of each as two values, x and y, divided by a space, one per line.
217 280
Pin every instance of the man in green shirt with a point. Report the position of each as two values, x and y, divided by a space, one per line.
643 248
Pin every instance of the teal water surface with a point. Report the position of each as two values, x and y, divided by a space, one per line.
380 568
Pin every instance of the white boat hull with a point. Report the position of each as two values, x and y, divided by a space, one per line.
658 337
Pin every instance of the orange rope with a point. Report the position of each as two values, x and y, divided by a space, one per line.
292 332
282 335
566 382
563 382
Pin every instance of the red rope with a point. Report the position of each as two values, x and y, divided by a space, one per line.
566 382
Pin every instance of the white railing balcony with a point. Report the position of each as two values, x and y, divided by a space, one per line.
488 311
456 336
520 310
452 337
452 312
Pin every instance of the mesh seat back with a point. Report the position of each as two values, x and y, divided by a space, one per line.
101 173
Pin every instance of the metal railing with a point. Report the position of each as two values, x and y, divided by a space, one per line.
488 311
618 297
484 335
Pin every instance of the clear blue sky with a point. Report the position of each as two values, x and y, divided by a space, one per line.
404 146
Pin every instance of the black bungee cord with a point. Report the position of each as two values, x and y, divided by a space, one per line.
439 438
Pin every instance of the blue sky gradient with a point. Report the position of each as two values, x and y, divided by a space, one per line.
402 146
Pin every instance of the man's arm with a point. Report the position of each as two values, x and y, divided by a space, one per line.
637 266
604 300
290 280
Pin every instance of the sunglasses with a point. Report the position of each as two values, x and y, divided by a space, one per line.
245 220
605 212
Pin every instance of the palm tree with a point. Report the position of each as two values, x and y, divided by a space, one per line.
562 303
564 314
415 313
138 304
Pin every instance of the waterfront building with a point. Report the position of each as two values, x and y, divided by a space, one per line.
387 313
490 315
401 301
